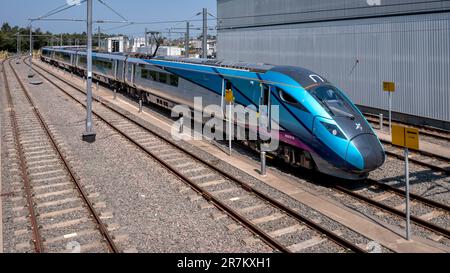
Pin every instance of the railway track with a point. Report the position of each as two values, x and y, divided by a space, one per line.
381 196
426 213
431 161
422 158
58 206
267 218
424 130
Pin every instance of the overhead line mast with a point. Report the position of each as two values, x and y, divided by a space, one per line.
89 134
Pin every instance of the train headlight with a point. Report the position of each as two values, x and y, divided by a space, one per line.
333 129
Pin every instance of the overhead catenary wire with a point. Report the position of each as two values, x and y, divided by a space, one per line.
113 10
157 23
63 8
126 22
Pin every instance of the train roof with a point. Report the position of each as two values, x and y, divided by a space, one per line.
258 67
303 76
253 67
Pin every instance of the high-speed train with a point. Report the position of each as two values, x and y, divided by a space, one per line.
319 127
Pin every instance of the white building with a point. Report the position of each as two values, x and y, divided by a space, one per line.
212 48
117 44
136 43
162 50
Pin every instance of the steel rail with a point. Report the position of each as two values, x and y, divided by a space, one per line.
37 238
413 196
419 162
74 177
431 131
428 225
267 238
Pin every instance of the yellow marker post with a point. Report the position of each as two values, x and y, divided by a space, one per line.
407 138
390 88
229 95
229 98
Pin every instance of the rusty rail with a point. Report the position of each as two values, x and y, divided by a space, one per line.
417 220
37 239
419 162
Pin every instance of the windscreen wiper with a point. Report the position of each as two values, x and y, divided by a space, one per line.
324 103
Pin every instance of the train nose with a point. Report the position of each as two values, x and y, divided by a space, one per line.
370 150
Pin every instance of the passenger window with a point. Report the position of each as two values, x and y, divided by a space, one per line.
173 80
163 77
144 74
154 75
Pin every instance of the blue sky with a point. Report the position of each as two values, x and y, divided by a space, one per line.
16 12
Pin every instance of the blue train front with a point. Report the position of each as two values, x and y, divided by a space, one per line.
319 127
339 138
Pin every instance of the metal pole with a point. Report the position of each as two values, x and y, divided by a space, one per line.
381 121
408 212
89 134
146 41
186 46
170 38
98 37
205 34
229 127
30 72
222 97
263 162
61 41
390 112
18 44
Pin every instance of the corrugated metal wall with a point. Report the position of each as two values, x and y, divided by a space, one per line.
241 13
358 55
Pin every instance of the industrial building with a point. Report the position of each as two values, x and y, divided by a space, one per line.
356 44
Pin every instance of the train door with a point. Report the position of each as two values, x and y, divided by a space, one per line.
130 73
264 108
133 71
116 63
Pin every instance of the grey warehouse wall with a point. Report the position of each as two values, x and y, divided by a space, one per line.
245 13
358 55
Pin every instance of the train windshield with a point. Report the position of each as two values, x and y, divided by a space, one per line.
333 101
